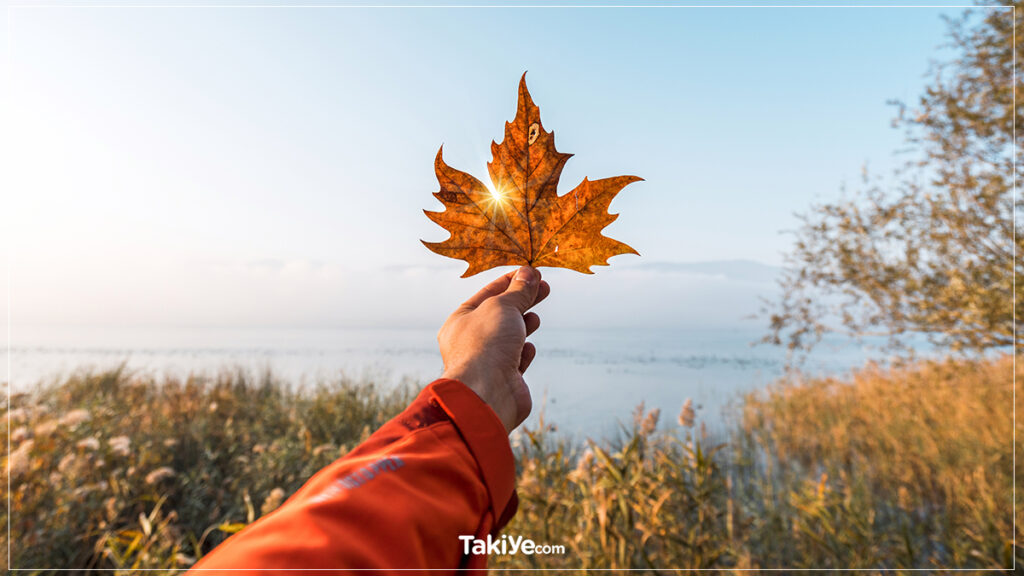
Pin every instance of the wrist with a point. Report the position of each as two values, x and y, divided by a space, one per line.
490 392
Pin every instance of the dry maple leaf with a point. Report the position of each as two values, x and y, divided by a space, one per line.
522 220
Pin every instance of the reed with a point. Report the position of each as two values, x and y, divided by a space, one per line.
886 468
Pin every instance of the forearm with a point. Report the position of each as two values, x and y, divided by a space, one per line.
441 469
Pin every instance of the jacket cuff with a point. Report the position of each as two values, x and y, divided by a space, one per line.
485 436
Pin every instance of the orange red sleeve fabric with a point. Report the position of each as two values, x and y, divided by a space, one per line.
441 469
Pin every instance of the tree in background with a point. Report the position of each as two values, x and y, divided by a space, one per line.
932 252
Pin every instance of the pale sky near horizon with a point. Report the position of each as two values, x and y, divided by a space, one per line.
269 167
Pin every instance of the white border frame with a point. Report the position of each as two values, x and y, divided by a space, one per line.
563 6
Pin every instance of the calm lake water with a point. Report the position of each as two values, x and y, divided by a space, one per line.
584 380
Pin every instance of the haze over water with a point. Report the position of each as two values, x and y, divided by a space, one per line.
585 381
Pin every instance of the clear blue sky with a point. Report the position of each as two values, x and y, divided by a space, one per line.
270 166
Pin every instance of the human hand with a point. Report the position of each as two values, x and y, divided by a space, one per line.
483 343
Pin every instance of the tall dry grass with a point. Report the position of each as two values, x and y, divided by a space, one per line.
909 467
111 470
887 469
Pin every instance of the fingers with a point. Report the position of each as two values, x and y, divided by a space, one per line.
504 284
498 286
542 292
523 289
527 356
532 322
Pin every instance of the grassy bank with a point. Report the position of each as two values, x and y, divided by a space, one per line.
882 469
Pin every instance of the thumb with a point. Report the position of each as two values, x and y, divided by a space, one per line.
522 290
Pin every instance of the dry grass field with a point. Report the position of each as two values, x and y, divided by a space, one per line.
883 469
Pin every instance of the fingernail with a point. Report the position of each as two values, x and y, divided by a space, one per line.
526 274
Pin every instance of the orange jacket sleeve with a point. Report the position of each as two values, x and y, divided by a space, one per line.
441 469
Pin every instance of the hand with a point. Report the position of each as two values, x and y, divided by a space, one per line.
483 343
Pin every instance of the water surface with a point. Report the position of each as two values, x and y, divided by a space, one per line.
585 381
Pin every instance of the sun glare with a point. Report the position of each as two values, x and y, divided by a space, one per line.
496 195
